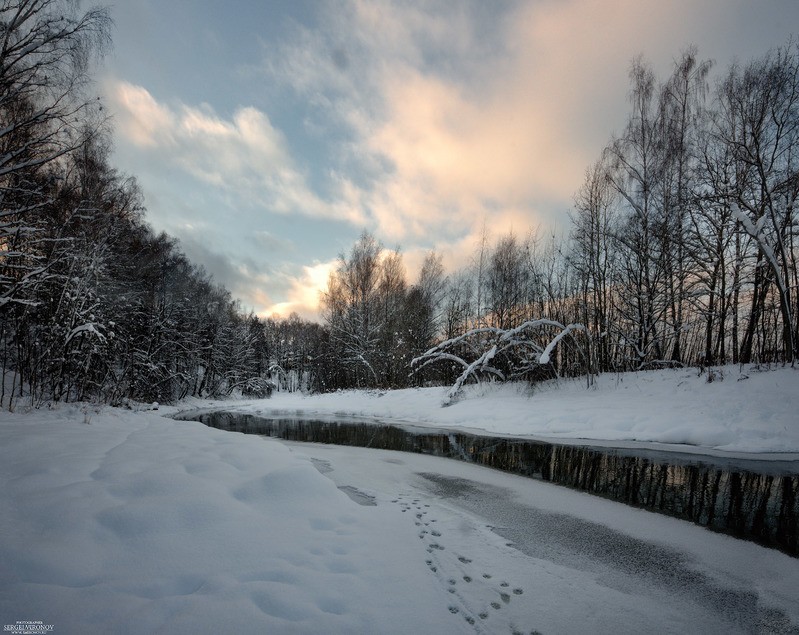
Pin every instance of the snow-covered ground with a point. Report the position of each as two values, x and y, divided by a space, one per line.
114 521
138 524
742 411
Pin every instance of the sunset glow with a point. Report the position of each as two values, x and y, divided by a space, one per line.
419 122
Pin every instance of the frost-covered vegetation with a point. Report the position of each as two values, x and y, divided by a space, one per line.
682 250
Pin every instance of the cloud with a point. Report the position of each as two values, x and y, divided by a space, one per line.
304 291
458 157
245 155
144 122
422 120
251 282
460 112
272 243
445 124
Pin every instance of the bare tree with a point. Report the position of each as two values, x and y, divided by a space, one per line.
507 276
391 359
637 162
760 104
433 286
682 103
593 257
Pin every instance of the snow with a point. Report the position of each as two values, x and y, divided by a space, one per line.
90 327
117 521
741 412
575 563
138 524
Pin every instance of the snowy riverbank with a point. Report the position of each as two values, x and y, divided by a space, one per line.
138 524
133 523
116 521
742 411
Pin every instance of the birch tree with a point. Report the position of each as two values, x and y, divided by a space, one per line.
761 104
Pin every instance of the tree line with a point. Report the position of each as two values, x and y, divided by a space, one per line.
682 250
684 238
94 305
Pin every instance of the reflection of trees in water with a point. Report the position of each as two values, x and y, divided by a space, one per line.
763 507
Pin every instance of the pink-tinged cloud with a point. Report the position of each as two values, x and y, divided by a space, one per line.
517 130
141 119
458 148
304 292
505 124
458 157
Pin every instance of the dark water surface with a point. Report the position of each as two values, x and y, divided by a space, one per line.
756 500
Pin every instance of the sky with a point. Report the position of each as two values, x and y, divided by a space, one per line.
267 135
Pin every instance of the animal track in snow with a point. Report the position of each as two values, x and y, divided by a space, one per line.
476 593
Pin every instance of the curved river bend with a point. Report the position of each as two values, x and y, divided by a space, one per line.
752 499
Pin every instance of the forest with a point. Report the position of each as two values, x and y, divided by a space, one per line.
681 249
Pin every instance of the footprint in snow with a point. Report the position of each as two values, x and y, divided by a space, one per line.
443 568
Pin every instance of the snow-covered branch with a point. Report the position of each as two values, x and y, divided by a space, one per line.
498 352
